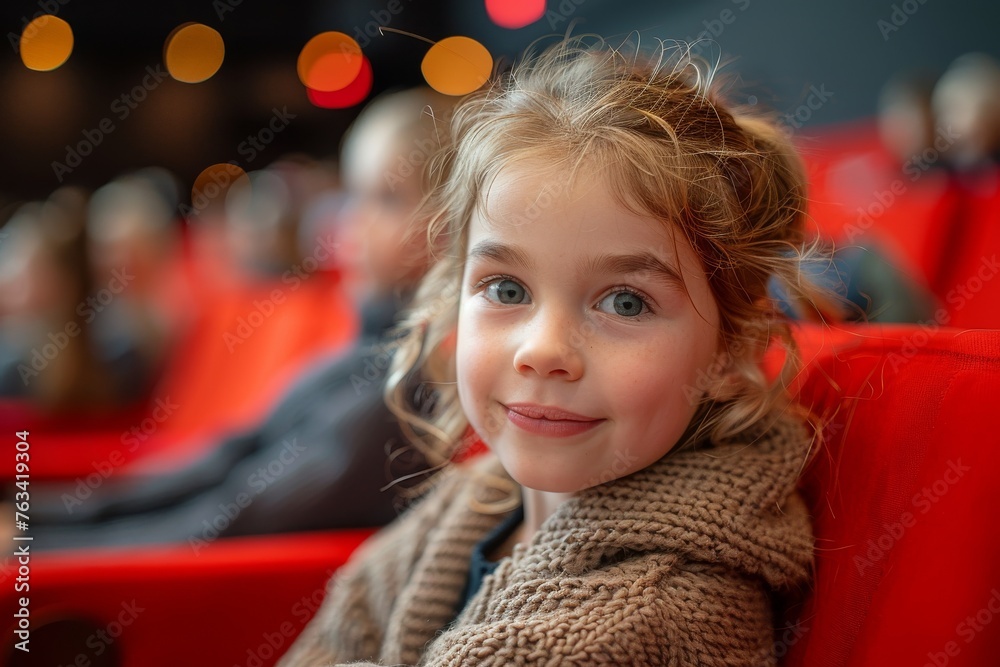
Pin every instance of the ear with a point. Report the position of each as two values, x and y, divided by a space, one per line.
738 359
719 378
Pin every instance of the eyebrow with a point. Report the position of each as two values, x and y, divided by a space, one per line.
642 262
501 252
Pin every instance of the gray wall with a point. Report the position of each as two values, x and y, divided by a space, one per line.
781 48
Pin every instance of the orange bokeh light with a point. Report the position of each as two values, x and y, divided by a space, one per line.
355 93
214 182
46 43
193 52
329 61
457 65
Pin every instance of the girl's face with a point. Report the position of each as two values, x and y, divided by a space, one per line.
580 357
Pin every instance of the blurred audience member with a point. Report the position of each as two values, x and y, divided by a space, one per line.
384 159
134 248
906 124
967 102
337 443
264 213
49 350
881 204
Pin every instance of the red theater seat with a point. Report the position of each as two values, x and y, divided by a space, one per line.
902 495
238 602
968 282
244 347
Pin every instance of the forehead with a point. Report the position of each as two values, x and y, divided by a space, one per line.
552 211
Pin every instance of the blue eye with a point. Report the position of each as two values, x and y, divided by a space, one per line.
623 303
506 291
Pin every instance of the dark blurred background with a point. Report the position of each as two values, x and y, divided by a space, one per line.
781 49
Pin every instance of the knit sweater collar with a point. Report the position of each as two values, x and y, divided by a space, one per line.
718 503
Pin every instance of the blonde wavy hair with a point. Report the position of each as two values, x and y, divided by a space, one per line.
731 182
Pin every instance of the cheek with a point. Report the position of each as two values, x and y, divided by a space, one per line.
662 382
483 368
472 366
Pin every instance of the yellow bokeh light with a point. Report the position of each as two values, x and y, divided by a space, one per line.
329 61
46 43
193 52
457 65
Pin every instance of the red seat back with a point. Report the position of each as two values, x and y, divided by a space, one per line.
969 280
902 494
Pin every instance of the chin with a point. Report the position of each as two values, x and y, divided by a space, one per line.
540 478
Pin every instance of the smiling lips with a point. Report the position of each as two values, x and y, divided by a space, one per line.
542 420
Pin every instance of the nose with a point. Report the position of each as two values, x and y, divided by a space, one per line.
545 348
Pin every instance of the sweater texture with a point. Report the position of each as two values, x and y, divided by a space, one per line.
676 564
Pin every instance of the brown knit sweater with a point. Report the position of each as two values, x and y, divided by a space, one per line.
672 565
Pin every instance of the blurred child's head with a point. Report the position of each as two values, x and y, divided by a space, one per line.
967 104
905 116
382 170
610 228
43 263
131 226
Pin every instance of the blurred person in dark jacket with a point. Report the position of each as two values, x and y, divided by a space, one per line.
330 454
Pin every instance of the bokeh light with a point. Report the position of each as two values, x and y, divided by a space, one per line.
214 182
515 13
46 43
193 52
329 61
457 65
355 93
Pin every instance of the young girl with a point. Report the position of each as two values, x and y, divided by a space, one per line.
597 318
